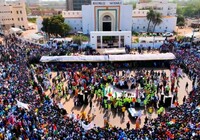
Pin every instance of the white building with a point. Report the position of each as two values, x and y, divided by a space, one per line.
168 11
112 15
107 21
104 15
140 22
13 14
161 6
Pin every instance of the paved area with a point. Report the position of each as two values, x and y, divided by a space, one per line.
116 120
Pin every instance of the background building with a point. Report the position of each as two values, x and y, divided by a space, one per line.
69 5
53 4
31 2
168 11
76 4
116 16
13 14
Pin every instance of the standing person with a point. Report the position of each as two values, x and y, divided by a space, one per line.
146 120
128 125
186 86
123 111
184 99
93 110
177 82
137 123
90 104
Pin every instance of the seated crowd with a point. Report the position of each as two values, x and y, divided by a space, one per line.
43 119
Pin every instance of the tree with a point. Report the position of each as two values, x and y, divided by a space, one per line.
77 39
189 8
134 5
157 20
55 26
46 26
181 24
150 17
180 20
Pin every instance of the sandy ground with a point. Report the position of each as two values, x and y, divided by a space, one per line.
116 120
1 40
184 31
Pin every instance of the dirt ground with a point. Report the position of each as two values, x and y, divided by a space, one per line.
113 118
184 31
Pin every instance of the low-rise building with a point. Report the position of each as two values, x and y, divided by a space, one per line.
13 14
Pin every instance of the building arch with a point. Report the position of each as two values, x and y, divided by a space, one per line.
107 22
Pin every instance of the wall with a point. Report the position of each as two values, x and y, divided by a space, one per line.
74 23
125 16
167 9
39 23
140 24
13 14
88 18
146 45
20 15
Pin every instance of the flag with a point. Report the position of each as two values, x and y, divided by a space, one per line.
88 127
115 94
55 131
22 105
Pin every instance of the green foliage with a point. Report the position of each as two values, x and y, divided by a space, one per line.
135 33
136 40
77 39
154 17
180 38
180 24
180 20
150 17
32 20
157 20
55 26
107 38
134 5
189 9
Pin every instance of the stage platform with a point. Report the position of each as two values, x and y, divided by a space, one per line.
112 51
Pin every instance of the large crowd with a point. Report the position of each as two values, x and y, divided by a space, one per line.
44 119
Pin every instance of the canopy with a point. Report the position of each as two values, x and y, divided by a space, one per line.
111 58
35 36
142 57
82 58
112 51
15 30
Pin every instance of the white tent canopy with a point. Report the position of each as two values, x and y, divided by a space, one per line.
112 51
111 58
83 58
15 30
35 37
142 57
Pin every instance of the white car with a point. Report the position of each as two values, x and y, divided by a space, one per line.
168 34
196 30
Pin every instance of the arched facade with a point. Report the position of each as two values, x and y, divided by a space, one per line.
107 22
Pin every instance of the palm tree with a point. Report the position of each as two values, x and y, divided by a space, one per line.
150 17
157 20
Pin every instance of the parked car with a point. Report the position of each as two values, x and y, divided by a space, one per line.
168 34
196 30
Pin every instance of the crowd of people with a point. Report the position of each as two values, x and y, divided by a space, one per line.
44 119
